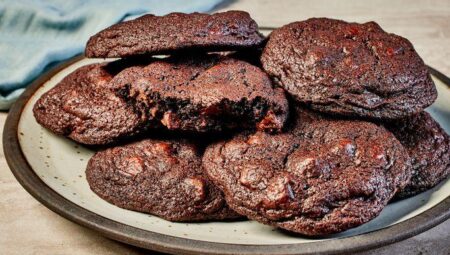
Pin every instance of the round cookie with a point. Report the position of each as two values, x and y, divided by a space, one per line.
349 69
149 34
160 177
428 146
83 108
323 176
204 93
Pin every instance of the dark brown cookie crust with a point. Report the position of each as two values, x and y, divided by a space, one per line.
83 108
204 93
349 69
160 177
428 146
151 34
323 176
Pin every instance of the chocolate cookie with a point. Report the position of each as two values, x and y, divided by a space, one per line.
204 93
151 34
428 146
323 176
349 69
160 177
83 108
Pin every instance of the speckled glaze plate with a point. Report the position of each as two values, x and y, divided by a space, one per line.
52 168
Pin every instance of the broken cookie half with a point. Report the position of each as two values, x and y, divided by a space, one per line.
203 93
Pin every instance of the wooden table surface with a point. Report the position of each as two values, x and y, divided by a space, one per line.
27 227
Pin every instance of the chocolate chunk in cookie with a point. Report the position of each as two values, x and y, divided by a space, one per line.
349 69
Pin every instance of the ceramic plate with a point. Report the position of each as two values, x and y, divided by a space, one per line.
52 169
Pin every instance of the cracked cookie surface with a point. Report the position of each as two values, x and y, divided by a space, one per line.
160 177
323 176
349 69
149 34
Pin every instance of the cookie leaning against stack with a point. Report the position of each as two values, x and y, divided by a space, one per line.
229 144
349 69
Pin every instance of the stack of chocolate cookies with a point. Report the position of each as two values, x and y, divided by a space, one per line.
313 129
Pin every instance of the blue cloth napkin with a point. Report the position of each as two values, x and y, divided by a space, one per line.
36 33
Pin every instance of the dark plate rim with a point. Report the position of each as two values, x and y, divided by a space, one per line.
165 243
